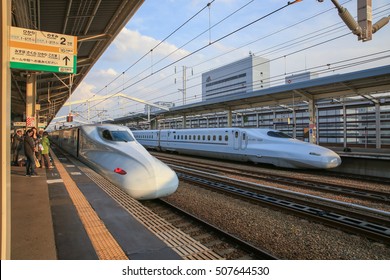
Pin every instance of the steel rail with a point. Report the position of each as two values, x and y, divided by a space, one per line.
371 195
362 223
249 248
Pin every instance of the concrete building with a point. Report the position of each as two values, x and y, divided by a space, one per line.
243 76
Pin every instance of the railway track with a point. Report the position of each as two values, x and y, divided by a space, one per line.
370 223
349 191
220 241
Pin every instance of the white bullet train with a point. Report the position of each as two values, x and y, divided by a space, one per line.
267 146
113 152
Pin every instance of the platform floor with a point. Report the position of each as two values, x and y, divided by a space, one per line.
63 214
32 234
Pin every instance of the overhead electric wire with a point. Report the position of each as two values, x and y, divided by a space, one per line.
211 43
179 48
202 33
167 37
263 37
274 33
291 53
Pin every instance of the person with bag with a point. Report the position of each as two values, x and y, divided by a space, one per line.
37 142
45 142
29 151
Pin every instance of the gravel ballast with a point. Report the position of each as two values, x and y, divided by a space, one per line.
283 235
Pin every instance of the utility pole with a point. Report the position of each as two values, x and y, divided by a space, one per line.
184 84
184 89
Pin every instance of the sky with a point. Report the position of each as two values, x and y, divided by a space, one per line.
147 58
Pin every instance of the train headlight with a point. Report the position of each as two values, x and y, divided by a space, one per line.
120 171
335 160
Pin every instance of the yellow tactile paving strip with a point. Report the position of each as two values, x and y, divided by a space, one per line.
104 243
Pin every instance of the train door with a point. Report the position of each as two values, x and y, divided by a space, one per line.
77 142
244 140
236 139
158 139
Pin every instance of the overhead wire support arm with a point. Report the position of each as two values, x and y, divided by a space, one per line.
348 19
364 27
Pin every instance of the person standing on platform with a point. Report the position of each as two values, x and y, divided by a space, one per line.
45 150
29 151
17 143
37 141
40 148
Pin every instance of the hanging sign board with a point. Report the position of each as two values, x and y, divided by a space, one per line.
42 51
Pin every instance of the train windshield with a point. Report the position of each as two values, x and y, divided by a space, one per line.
278 134
117 135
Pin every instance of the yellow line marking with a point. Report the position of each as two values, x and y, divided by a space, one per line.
104 243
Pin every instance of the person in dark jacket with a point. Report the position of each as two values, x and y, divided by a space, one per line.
17 144
29 151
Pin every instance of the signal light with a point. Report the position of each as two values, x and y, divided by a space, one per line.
120 171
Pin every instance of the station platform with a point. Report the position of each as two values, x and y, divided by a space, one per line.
364 162
66 214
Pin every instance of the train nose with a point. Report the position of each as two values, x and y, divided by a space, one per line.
331 160
166 181
163 181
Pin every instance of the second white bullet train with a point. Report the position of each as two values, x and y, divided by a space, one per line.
255 145
113 151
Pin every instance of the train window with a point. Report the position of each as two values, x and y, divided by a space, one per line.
214 137
190 137
194 137
198 137
107 135
174 137
117 135
278 134
208 137
121 135
226 138
204 137
220 137
236 134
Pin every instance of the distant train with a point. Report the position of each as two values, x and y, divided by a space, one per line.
113 151
267 146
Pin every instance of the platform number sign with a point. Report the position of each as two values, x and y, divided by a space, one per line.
42 51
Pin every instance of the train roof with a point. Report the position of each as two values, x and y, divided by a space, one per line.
105 125
219 129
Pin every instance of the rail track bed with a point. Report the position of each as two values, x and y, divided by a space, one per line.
352 190
221 242
352 218
286 231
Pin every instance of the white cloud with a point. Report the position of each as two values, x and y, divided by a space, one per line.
84 91
132 41
108 72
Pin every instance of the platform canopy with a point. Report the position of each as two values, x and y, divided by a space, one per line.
94 23
364 84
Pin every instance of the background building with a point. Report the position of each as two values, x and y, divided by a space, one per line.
246 75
